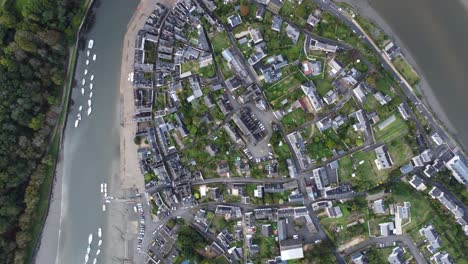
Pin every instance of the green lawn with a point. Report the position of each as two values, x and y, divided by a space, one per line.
395 130
283 87
220 41
296 118
282 152
406 70
192 66
321 145
323 85
208 71
376 33
421 210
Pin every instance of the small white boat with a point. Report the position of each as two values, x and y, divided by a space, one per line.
105 186
105 193
80 108
99 243
92 77
85 71
87 53
90 44
89 102
91 95
89 111
102 188
94 57
82 90
77 123
79 117
90 238
107 201
87 62
88 250
90 86
98 252
99 232
95 261
103 207
86 258
83 81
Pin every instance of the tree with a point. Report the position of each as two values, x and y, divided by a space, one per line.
244 10
188 239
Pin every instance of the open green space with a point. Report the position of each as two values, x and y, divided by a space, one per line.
287 85
323 85
193 66
220 41
296 118
298 13
282 152
395 130
321 145
377 35
406 70
353 212
208 71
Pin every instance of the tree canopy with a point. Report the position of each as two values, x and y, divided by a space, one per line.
34 40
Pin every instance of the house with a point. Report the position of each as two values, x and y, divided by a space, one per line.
223 169
391 50
260 14
383 161
315 44
234 20
360 94
386 229
243 41
403 112
276 23
334 212
358 258
256 35
311 92
293 33
311 68
437 139
458 166
330 97
321 178
396 257
291 249
403 211
442 258
381 98
274 6
282 230
258 193
267 230
324 124
436 193
313 20
335 66
432 238
379 207
417 183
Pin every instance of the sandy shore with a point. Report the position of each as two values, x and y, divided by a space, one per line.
121 231
364 9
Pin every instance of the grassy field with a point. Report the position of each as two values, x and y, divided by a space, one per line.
281 150
376 34
395 130
323 85
220 42
296 118
192 66
283 87
406 70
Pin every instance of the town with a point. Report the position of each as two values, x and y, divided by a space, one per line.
271 131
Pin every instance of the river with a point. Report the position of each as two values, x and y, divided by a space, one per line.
434 34
91 151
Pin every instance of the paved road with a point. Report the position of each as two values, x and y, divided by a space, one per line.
243 180
388 242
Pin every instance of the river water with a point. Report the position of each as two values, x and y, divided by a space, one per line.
91 151
435 34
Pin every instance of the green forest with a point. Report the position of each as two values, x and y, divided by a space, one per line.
35 39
